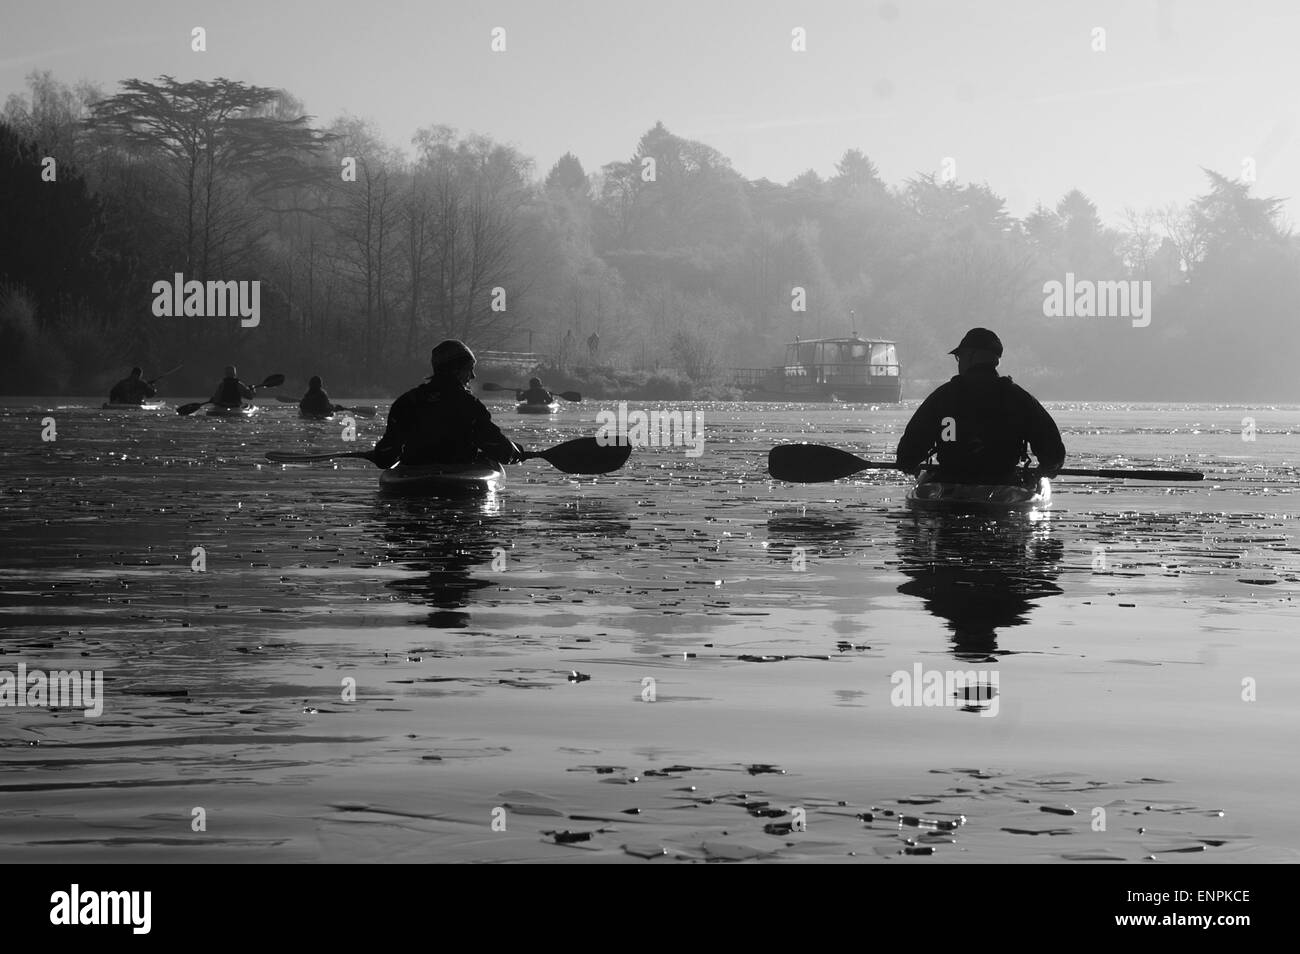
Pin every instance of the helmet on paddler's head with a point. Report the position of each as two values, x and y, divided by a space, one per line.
315 383
230 371
534 382
136 372
450 354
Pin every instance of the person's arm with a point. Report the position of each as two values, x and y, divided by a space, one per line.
919 437
1044 437
488 437
389 449
150 390
246 391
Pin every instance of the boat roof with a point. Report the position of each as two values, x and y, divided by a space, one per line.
858 339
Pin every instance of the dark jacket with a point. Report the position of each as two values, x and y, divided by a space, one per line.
231 392
316 402
992 421
131 391
536 396
440 422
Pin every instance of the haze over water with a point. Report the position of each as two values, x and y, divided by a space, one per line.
1120 679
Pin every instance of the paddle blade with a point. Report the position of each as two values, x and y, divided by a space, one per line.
274 381
812 463
570 395
489 386
190 408
585 455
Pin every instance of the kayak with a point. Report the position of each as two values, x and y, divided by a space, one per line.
308 416
937 496
232 410
442 480
523 407
146 406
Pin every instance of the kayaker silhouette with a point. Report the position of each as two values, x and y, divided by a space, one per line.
231 392
535 393
976 579
316 401
132 389
441 422
980 424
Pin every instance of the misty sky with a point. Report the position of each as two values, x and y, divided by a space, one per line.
1011 90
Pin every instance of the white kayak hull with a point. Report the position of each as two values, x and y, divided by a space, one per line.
306 416
146 406
941 497
439 480
224 410
523 407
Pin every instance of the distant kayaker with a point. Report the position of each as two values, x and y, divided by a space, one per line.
441 422
536 394
231 392
980 422
316 401
132 390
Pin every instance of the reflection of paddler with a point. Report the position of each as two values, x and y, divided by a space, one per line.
977 578
442 543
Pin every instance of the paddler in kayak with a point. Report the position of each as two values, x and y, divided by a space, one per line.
132 390
980 422
316 401
441 422
536 394
231 392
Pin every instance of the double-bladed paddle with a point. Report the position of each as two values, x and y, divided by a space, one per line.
817 463
274 381
153 381
567 395
584 455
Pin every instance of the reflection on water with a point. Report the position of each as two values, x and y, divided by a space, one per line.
811 532
441 541
978 575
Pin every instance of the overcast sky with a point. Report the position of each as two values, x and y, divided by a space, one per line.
1011 89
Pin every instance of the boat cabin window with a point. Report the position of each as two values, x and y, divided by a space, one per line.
859 351
884 359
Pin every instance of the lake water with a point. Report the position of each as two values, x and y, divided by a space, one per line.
749 647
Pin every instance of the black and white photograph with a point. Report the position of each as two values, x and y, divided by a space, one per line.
599 432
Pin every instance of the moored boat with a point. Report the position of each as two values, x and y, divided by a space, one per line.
145 406
232 410
853 370
941 496
523 407
442 480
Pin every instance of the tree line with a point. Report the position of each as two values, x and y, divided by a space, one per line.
367 254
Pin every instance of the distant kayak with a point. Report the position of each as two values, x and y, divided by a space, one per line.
442 480
523 407
938 496
309 416
146 406
232 410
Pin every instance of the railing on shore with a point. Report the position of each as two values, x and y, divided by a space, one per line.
522 362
